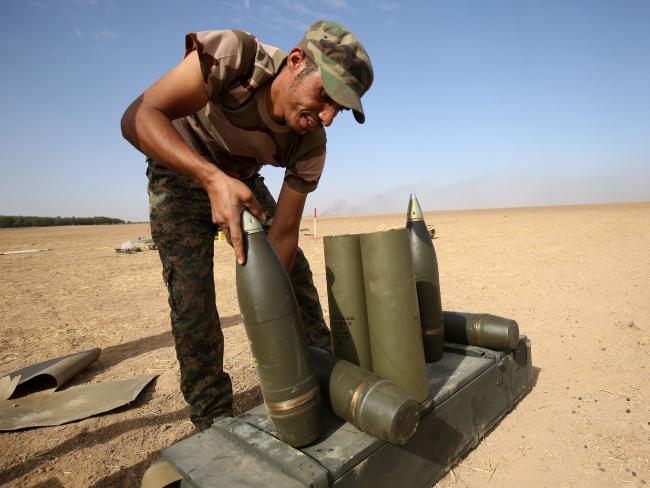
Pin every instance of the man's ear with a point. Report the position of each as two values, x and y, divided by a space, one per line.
296 58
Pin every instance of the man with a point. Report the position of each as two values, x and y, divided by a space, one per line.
207 126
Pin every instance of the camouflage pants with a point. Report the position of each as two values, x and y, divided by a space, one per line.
182 228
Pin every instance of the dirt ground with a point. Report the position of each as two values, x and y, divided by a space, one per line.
577 279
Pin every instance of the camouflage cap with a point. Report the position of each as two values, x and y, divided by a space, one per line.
343 63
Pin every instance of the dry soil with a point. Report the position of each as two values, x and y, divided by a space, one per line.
577 280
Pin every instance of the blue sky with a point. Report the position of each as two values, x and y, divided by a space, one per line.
475 104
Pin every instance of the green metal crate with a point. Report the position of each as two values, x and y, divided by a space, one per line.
473 388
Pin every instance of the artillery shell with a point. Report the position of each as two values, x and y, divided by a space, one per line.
347 299
275 332
393 317
481 329
427 281
372 404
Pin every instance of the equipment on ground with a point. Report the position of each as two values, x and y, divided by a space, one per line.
347 299
272 321
481 329
427 281
369 402
395 334
472 389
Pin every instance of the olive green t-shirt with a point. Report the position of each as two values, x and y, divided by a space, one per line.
234 129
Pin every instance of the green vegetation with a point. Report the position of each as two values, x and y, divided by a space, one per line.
26 221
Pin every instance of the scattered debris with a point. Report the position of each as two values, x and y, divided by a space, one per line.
76 403
142 243
8 386
160 475
145 243
127 247
51 373
51 407
385 227
476 469
23 251
624 395
127 251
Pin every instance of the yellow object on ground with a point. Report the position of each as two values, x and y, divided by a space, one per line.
161 475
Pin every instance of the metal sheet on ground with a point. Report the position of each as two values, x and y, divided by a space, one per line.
53 372
76 403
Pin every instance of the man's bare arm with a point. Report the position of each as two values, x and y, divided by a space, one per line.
147 125
286 225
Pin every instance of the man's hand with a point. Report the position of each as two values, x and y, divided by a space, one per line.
228 199
147 125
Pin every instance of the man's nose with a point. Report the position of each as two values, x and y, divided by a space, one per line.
327 115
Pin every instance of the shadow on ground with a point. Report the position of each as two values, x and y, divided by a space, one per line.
49 483
132 475
88 438
127 477
112 355
248 399
536 372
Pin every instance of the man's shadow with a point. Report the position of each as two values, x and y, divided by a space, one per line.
132 475
112 355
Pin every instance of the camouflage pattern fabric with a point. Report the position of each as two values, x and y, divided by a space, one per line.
343 62
182 229
234 129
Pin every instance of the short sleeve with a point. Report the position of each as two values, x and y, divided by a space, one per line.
306 161
226 56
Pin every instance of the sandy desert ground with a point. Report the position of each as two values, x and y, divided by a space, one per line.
577 279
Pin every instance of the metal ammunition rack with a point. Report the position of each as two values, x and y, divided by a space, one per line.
472 388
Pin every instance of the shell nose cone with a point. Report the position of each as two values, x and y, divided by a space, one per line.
414 211
249 224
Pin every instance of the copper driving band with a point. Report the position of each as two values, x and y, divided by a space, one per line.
356 396
429 332
294 402
477 330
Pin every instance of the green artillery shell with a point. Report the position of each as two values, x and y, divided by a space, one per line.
370 403
427 282
393 318
481 329
347 299
270 313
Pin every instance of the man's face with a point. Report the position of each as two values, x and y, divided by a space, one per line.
308 107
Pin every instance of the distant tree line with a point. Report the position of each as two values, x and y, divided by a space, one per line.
26 221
